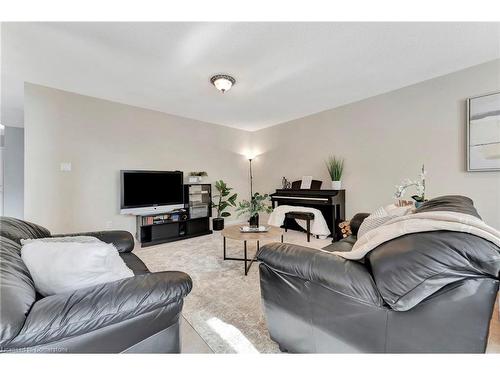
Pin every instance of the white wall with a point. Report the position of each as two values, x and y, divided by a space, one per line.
13 179
100 138
385 139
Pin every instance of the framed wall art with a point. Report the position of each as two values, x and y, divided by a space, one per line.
483 133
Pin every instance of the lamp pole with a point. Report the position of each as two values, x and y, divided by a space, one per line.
251 180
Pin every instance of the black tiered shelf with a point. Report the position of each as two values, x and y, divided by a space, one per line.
191 222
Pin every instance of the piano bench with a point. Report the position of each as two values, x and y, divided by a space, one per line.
307 216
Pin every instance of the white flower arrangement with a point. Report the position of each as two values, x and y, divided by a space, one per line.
407 183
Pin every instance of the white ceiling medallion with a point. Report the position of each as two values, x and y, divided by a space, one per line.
222 82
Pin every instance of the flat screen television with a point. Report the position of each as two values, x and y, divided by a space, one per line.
149 192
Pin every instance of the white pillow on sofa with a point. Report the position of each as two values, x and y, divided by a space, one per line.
79 239
59 267
381 216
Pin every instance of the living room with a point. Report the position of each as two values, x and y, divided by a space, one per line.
250 187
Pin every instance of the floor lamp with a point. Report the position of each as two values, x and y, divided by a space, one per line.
251 179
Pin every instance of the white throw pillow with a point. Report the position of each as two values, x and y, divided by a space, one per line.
60 267
381 216
79 239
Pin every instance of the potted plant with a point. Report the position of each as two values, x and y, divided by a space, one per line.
222 201
253 207
419 198
335 168
196 177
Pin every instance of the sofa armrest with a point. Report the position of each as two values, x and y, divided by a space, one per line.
356 222
340 275
71 314
123 240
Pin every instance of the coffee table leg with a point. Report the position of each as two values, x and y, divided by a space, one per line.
248 262
224 246
245 247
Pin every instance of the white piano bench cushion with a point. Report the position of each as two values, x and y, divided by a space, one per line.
318 225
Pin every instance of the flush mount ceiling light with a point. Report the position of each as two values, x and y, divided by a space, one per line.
222 82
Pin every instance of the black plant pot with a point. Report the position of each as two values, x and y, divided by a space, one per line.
254 221
218 223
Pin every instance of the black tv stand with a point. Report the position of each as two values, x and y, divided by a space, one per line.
177 225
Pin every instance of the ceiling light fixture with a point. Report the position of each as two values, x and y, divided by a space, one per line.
222 82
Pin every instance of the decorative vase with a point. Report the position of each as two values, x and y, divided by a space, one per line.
218 223
336 185
254 221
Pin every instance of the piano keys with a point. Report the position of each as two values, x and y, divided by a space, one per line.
331 203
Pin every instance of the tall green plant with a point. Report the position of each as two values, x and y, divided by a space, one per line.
335 167
254 206
222 200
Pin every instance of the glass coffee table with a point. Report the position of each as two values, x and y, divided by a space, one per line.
233 232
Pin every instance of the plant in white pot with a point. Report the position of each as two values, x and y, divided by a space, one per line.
196 177
335 169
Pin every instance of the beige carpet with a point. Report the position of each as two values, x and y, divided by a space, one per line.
224 306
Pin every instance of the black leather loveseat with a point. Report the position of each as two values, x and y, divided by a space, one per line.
138 314
423 292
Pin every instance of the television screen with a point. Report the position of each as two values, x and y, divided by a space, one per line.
151 188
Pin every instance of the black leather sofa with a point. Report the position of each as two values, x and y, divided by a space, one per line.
430 292
134 315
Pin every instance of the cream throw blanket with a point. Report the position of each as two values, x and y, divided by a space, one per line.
421 222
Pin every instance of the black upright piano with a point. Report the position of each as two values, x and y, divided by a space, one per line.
331 203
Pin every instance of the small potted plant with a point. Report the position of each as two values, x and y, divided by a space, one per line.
335 168
419 184
222 201
253 207
196 177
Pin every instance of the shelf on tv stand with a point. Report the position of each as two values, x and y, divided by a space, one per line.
174 221
166 240
174 230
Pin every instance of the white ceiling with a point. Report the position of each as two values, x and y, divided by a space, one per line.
283 70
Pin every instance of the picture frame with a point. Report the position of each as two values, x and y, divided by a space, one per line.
483 132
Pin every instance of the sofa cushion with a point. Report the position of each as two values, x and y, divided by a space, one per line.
344 244
17 291
87 315
15 229
454 203
411 268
